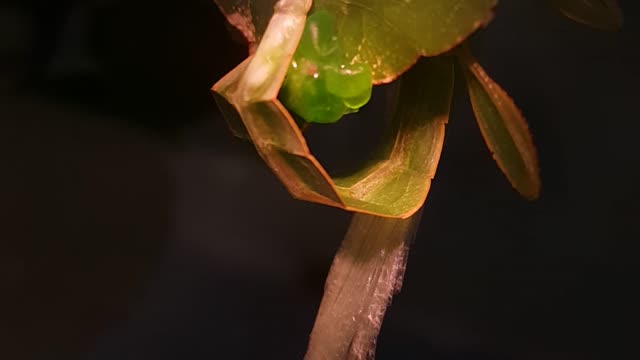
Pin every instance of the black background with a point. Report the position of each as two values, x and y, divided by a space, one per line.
134 226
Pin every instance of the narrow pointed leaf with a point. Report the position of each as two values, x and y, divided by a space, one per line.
503 127
600 14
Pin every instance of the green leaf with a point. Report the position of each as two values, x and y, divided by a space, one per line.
503 127
396 181
601 14
394 184
387 35
398 177
391 35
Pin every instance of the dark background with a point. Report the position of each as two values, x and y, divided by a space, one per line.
134 226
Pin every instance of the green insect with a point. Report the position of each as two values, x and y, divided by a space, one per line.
321 86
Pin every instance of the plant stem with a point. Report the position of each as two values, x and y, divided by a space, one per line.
367 270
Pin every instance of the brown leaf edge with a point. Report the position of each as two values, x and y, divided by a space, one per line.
503 127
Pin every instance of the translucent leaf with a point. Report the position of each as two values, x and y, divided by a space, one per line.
503 127
389 35
394 184
601 14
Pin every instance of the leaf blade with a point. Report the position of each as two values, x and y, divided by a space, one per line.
503 128
391 35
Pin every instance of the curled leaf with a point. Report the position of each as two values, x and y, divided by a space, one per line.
394 184
503 127
601 14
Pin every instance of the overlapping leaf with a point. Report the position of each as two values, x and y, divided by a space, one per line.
389 35
396 182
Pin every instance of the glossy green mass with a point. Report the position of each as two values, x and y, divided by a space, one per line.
318 39
304 92
351 83
320 86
